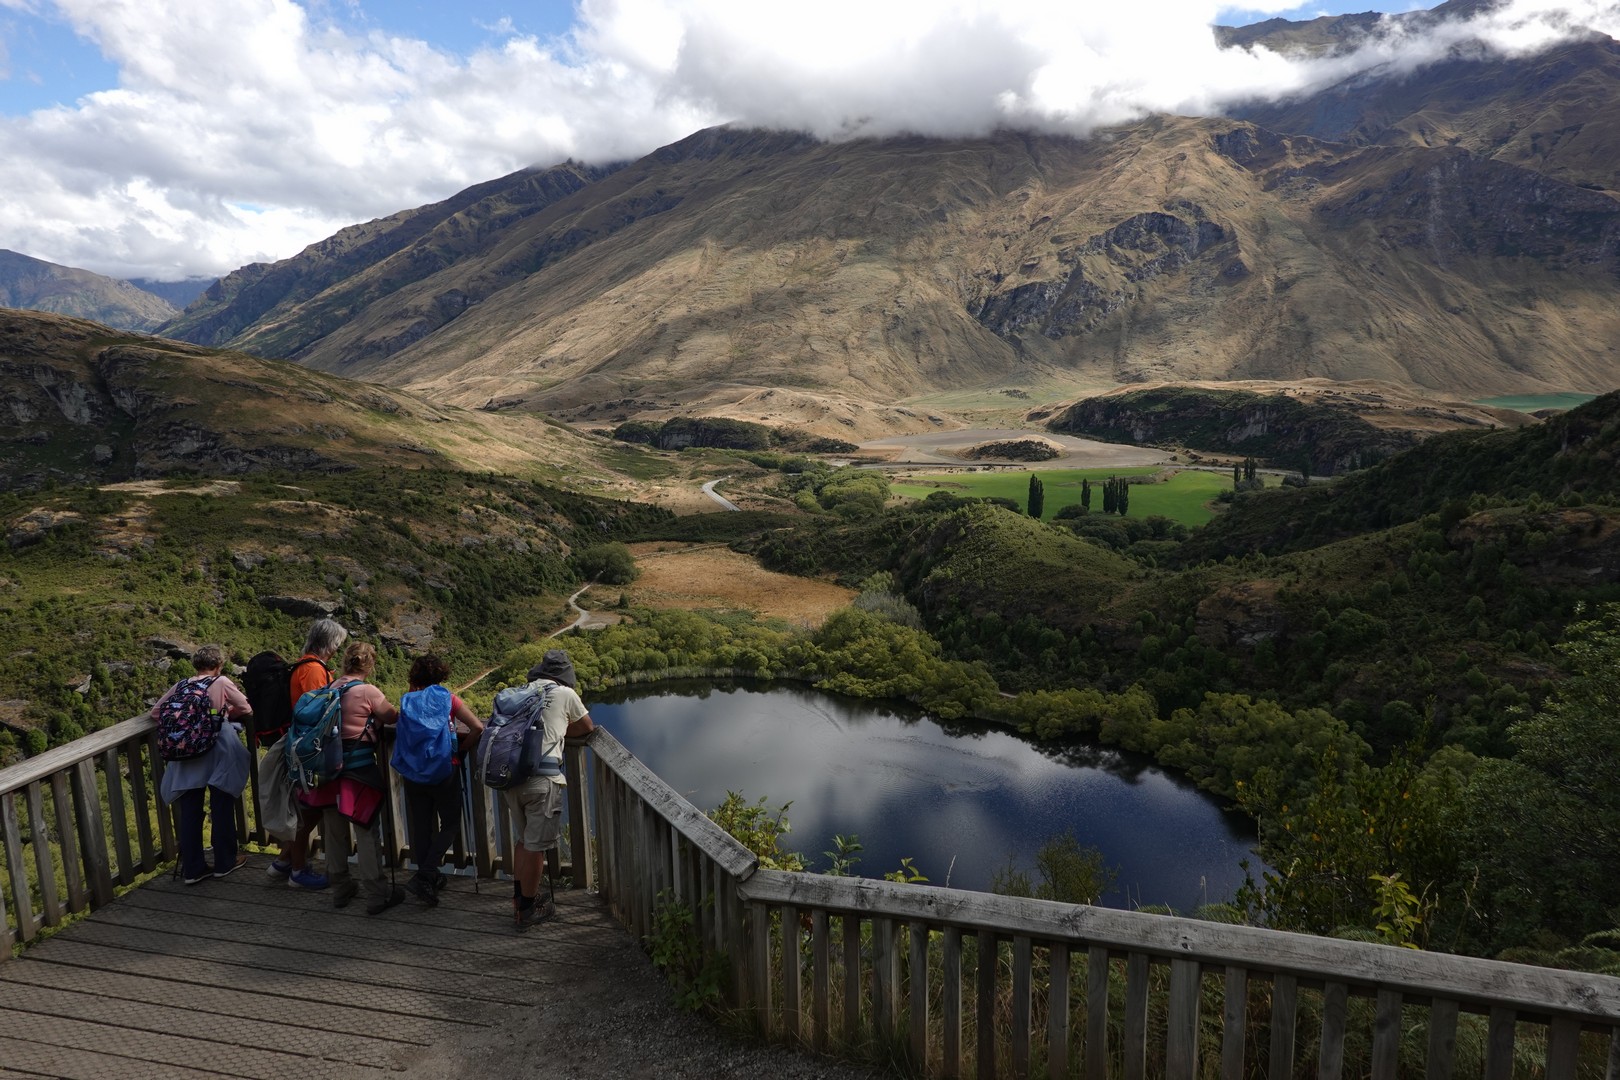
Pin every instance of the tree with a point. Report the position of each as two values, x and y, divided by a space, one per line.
1085 493
611 564
1037 497
1122 501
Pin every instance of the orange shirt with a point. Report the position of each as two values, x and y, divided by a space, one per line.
307 677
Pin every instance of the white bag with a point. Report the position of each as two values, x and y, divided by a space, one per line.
278 806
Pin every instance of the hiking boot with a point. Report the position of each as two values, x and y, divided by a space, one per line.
307 879
541 912
423 891
241 861
200 877
441 881
279 869
343 892
394 896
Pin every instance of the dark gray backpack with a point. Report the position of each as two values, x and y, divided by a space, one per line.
510 750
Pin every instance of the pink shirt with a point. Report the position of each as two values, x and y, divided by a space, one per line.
358 706
223 696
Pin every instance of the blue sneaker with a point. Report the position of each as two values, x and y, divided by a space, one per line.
306 879
279 869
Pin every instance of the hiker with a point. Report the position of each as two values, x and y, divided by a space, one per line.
192 708
355 798
427 757
536 804
308 672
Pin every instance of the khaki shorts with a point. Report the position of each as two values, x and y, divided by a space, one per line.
536 806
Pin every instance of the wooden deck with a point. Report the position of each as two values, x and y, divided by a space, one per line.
244 977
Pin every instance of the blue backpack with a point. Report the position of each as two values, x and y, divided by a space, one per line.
314 743
424 745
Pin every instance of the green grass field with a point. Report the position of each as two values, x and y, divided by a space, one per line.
1184 497
1533 402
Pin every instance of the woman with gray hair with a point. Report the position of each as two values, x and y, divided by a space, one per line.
221 768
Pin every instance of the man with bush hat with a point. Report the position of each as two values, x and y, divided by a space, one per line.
536 804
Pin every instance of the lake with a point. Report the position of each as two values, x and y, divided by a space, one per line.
959 800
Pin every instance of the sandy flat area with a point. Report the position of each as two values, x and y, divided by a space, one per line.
717 577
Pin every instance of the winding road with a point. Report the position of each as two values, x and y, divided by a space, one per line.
708 489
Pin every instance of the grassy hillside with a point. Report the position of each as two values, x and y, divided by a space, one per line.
103 591
1186 496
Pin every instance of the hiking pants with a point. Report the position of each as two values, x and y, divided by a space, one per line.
434 813
335 829
193 864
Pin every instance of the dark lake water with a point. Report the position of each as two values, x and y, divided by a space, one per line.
958 800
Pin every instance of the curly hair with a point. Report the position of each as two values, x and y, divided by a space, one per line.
428 670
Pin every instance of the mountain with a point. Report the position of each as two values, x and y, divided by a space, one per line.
37 285
80 402
768 277
179 294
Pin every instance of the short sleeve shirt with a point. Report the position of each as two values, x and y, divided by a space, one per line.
563 707
308 676
359 702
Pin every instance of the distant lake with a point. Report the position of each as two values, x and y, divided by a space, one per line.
957 799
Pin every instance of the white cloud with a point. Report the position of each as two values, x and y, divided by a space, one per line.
225 104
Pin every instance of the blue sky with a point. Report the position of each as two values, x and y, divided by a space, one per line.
190 137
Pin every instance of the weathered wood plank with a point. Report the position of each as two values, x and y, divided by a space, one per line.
1136 1016
792 975
1057 1014
92 837
1475 982
168 848
67 839
1023 962
1096 1013
951 1004
851 925
579 833
1563 1046
44 864
885 968
692 822
1284 1010
1613 1071
65 757
124 863
1442 1056
22 904
1181 1046
141 797
1335 1007
917 995
1386 1048
821 979
759 929
1499 1044
984 1007
1234 1023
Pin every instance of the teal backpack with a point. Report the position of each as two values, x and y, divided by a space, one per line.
314 743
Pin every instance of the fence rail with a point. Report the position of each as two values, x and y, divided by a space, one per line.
942 982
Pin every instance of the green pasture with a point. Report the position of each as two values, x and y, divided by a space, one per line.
1182 496
1534 402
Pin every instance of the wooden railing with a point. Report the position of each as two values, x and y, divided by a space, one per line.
938 982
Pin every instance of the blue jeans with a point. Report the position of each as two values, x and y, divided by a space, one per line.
223 810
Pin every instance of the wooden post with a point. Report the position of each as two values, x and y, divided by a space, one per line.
1096 1013
792 975
1136 1015
118 815
1181 1050
1023 959
821 978
43 863
985 1007
1442 1059
759 927
143 805
1284 1007
579 832
22 903
168 848
1499 1044
852 979
1386 1048
1057 1013
1563 1046
1234 1023
1335 1005
951 1004
885 978
67 835
917 996
92 837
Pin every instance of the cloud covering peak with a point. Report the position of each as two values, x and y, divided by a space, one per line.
241 130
